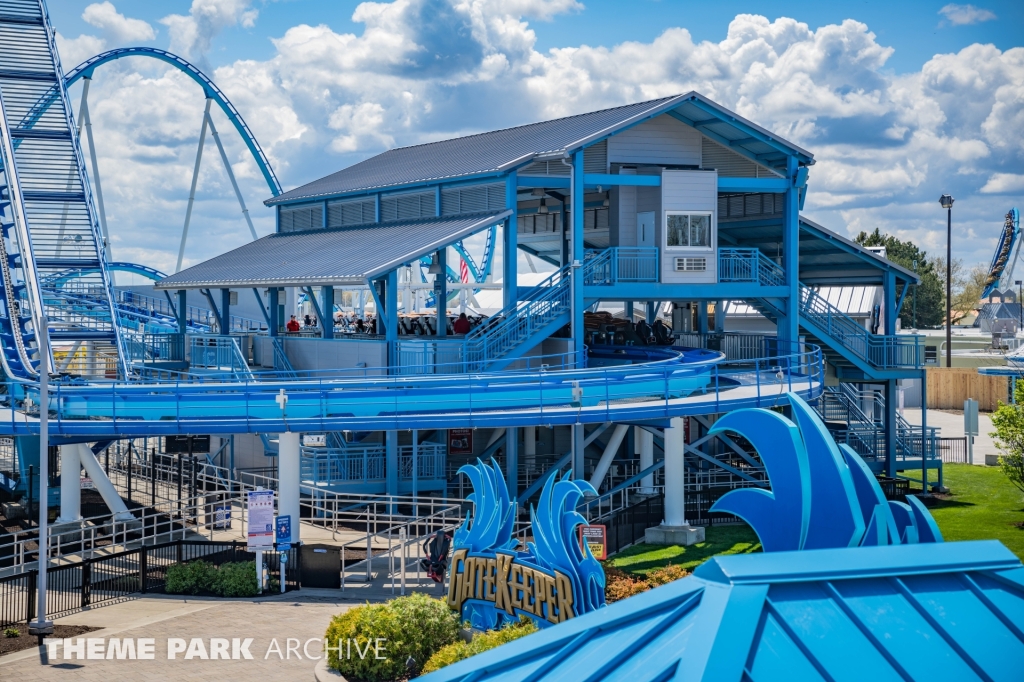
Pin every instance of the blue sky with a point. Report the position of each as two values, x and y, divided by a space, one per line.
900 102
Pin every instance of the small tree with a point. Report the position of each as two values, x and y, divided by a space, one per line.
1009 435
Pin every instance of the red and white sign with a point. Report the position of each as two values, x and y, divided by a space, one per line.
460 441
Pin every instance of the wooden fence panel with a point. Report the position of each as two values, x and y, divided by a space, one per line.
949 387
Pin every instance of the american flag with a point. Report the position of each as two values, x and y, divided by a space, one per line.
463 271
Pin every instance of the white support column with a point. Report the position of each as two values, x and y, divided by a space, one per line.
674 530
288 479
530 445
578 449
70 484
229 171
643 444
195 179
601 470
103 485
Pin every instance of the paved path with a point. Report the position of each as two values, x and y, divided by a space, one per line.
296 619
952 425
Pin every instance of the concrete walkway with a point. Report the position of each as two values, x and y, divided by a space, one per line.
952 426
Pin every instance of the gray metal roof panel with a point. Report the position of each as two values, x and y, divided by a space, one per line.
495 151
340 256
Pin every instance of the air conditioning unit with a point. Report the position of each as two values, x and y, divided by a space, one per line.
691 264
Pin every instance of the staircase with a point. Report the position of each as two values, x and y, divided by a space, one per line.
845 343
515 330
49 218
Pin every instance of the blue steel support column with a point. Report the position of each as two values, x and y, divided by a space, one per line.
628 310
889 293
652 311
719 316
225 312
511 247
327 310
391 316
182 311
577 256
702 317
391 463
512 460
273 294
789 327
441 293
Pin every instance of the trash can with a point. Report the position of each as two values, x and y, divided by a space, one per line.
321 566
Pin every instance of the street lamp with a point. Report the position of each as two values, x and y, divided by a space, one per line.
1019 283
946 202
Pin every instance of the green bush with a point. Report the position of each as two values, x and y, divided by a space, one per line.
409 627
189 578
482 642
11 633
229 580
236 580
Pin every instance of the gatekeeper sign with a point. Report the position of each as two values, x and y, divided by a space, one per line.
595 538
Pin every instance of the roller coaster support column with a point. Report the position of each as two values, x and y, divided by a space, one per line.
70 484
390 316
578 450
577 264
327 310
441 293
85 118
674 529
890 314
195 179
530 445
644 448
231 174
391 463
512 460
288 463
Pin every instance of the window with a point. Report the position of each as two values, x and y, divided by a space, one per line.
687 230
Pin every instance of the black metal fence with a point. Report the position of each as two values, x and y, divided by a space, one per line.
628 525
953 450
105 578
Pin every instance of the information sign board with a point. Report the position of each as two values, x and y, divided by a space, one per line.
261 520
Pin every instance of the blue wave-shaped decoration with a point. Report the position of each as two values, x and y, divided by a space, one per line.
822 495
489 524
555 546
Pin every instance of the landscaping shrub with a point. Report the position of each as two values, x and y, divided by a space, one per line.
236 580
229 580
189 578
482 642
620 585
409 627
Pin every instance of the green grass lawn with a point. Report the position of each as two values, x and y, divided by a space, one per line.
982 504
642 559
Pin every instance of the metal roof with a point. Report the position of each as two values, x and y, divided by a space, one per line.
342 256
920 611
501 150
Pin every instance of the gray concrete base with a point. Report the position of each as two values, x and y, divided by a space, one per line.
69 531
324 674
674 535
14 510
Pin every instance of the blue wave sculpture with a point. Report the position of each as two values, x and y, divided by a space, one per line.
491 528
555 546
822 495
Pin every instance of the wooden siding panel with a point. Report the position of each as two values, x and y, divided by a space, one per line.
949 387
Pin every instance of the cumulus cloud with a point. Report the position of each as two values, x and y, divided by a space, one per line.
192 35
419 70
118 27
962 15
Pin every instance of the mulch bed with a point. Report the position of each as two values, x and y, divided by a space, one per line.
8 645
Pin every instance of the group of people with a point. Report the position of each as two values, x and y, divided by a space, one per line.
353 324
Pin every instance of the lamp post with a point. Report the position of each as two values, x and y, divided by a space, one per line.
41 627
914 294
1019 308
946 202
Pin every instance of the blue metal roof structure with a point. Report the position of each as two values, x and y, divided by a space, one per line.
945 611
336 256
497 152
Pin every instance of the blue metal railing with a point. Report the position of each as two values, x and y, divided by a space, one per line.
625 264
842 331
366 463
219 353
749 265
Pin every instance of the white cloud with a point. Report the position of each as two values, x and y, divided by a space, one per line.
886 146
962 15
118 27
192 35
1004 183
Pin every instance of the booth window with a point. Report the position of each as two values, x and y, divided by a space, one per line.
687 230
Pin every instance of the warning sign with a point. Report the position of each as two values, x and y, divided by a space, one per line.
596 538
460 441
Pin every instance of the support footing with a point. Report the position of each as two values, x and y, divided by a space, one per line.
674 535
